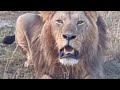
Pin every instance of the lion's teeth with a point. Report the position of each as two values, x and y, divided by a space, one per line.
61 53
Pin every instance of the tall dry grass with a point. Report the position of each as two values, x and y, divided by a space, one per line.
112 19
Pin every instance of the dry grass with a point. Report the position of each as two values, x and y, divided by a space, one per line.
113 21
11 60
12 67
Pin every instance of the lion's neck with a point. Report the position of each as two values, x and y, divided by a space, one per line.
69 72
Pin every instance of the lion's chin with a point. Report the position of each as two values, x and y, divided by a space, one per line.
68 61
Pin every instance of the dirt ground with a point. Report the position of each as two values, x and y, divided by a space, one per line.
13 67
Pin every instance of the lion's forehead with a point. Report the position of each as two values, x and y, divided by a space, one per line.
70 14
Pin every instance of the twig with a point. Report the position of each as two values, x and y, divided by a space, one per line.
8 63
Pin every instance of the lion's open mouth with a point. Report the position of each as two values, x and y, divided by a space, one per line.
68 52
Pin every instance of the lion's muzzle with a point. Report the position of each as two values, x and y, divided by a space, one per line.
68 55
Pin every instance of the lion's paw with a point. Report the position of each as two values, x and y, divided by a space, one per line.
45 77
28 63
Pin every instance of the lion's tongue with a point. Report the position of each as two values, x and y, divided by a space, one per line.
68 50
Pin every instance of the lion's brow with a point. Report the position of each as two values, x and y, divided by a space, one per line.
69 13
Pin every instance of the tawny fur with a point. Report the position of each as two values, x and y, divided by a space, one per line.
38 39
46 58
26 25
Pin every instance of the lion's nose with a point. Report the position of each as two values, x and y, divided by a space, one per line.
69 36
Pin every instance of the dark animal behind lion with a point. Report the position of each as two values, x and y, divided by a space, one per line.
9 39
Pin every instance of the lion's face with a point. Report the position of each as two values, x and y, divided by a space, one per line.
71 29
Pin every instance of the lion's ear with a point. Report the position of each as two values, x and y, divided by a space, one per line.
92 14
46 14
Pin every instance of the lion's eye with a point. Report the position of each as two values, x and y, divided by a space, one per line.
80 22
59 21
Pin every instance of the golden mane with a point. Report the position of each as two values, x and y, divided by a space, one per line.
44 51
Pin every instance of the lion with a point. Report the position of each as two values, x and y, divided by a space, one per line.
63 44
26 25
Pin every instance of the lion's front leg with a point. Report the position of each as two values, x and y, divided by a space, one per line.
29 61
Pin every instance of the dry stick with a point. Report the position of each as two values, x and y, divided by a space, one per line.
8 62
16 74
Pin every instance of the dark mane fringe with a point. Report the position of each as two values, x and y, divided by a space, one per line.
45 56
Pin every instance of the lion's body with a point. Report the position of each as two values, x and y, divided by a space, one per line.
26 26
43 41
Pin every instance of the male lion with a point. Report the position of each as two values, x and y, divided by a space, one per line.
63 44
26 25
